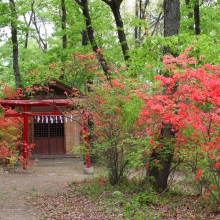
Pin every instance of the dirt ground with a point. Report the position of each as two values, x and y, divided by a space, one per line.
48 176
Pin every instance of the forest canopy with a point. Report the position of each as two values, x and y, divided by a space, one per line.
37 34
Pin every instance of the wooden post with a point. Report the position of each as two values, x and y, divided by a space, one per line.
86 138
88 169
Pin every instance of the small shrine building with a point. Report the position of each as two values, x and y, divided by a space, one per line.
45 123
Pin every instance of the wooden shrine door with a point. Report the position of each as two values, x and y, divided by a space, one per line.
48 135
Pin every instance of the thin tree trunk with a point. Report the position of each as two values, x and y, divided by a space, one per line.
64 36
40 40
84 38
136 28
14 38
164 156
115 7
28 24
190 15
90 31
121 33
63 24
197 17
140 17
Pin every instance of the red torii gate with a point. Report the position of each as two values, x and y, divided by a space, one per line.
25 104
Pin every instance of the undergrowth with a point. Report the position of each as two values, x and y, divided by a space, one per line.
131 198
128 197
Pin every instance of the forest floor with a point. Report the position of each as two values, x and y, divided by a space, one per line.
51 190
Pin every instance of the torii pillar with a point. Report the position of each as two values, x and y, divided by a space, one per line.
25 142
88 169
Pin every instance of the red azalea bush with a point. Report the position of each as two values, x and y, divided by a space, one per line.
189 100
11 130
185 97
8 92
10 136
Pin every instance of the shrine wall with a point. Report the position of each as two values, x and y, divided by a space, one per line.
72 136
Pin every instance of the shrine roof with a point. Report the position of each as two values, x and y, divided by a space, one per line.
55 96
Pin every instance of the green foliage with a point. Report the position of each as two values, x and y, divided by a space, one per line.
209 18
4 14
147 60
6 71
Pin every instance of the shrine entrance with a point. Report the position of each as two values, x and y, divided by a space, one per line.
49 135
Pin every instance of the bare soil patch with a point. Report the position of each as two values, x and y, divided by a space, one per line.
47 177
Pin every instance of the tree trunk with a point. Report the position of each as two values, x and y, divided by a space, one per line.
140 13
136 28
197 17
190 15
121 33
14 38
28 24
171 20
63 24
41 42
115 7
171 17
84 38
90 31
165 155
64 36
